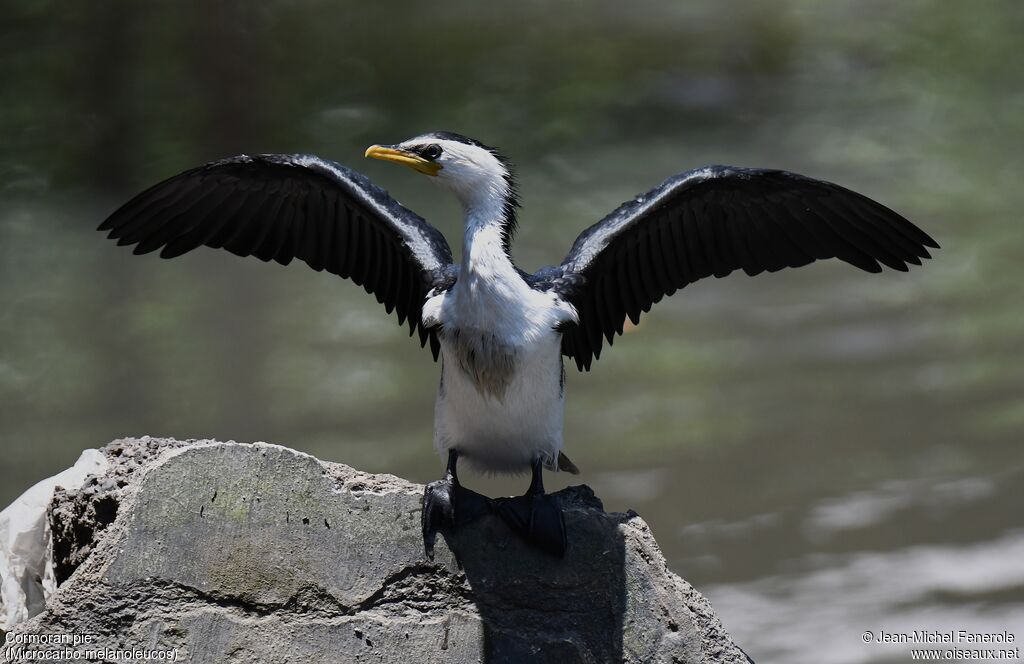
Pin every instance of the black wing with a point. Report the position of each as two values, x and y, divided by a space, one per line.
711 221
280 207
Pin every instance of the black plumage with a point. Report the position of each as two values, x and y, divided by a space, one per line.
712 221
281 207
708 221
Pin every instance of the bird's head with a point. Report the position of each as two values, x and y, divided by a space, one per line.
475 173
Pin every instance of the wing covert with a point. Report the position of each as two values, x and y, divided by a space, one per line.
710 222
283 207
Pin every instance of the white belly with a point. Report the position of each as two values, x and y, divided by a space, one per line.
506 429
500 401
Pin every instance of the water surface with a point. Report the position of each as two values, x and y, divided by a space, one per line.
820 451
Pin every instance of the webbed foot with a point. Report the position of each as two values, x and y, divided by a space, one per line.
447 505
536 516
538 519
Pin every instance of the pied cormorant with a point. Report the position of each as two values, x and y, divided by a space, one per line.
501 333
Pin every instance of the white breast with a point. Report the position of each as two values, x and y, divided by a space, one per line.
500 401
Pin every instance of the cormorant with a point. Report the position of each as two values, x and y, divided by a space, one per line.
501 333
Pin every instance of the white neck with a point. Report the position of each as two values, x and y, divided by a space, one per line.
483 243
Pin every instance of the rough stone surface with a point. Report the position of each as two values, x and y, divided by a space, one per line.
224 552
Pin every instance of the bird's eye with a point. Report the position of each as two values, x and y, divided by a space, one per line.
432 151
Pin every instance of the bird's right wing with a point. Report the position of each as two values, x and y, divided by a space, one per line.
280 207
711 221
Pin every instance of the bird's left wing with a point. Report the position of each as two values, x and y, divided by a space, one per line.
281 207
711 221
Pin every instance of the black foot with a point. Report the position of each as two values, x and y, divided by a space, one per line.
537 518
438 512
447 505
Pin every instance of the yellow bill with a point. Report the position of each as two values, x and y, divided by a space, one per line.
413 161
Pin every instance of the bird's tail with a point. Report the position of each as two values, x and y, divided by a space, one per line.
566 465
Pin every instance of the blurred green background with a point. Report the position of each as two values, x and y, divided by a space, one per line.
821 451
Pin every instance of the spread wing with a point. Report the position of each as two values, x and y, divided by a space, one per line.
281 207
711 221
